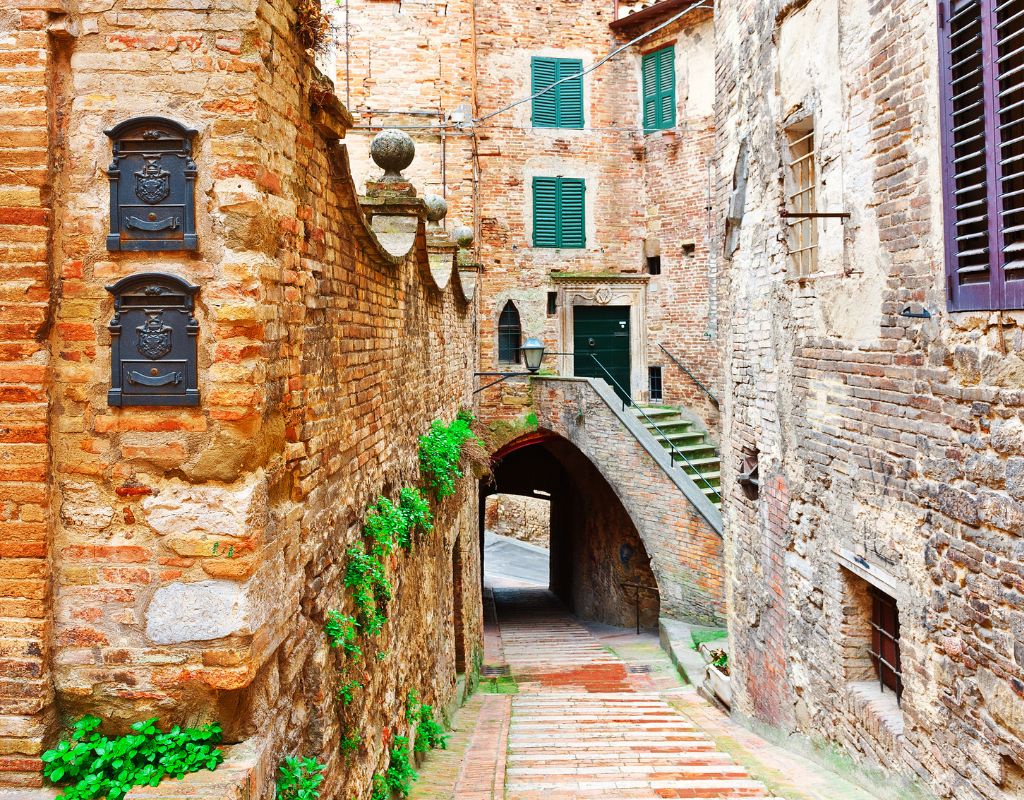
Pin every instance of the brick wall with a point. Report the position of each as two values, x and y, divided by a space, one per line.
890 440
27 107
438 56
321 360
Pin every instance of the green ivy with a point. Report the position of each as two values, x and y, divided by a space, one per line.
412 706
400 773
429 734
384 527
298 779
366 578
341 632
351 741
90 765
346 689
379 788
441 452
415 509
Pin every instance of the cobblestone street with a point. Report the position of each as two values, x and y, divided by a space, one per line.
599 712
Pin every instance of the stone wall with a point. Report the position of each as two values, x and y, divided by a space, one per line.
195 552
525 518
888 447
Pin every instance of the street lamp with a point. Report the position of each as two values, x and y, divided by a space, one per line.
533 353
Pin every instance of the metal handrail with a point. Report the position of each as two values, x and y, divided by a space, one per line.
693 377
665 439
638 587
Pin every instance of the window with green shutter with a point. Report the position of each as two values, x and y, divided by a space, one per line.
659 78
562 106
559 212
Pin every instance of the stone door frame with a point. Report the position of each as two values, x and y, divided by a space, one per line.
605 290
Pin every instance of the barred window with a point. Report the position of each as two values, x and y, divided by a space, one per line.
510 334
885 641
801 199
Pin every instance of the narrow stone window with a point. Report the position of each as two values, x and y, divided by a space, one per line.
801 193
510 334
653 265
885 641
654 378
552 303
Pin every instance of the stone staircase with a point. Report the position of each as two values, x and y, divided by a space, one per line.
702 462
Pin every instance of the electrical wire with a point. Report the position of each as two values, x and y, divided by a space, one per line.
595 65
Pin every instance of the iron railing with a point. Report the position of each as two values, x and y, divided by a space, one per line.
637 588
693 377
628 403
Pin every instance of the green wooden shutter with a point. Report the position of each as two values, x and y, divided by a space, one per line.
559 212
545 212
570 94
562 106
543 73
572 212
658 73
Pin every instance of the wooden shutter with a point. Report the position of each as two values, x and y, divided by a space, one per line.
543 73
1007 20
572 212
982 51
570 94
559 212
658 74
545 212
649 73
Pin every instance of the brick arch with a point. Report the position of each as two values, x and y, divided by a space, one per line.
595 547
681 535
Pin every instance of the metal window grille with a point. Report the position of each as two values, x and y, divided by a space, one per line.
653 265
654 376
510 334
800 199
885 641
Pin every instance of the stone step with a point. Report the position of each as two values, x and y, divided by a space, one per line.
679 438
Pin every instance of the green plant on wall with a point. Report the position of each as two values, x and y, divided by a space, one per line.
379 789
346 690
90 765
341 632
429 733
415 509
400 773
351 741
441 453
299 779
365 577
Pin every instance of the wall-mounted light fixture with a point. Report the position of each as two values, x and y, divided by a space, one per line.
533 354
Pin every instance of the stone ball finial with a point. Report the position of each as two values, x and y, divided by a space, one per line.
392 150
437 208
463 235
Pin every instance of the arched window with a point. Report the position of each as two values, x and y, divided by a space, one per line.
510 335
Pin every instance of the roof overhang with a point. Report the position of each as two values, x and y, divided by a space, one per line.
653 14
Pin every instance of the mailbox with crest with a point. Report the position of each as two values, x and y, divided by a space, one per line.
154 342
152 181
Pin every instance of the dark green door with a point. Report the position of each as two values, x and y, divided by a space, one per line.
601 339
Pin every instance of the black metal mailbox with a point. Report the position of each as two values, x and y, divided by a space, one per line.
152 183
154 342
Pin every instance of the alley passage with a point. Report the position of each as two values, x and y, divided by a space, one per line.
587 724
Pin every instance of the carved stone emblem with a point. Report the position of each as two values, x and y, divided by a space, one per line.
603 295
154 337
152 184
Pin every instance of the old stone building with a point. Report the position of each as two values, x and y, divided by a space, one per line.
179 500
873 374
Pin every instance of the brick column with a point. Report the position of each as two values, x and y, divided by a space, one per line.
26 694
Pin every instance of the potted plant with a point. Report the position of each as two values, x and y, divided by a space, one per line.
718 680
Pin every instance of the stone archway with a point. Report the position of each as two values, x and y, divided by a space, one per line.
597 556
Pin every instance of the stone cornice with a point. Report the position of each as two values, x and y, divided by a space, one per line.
599 277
